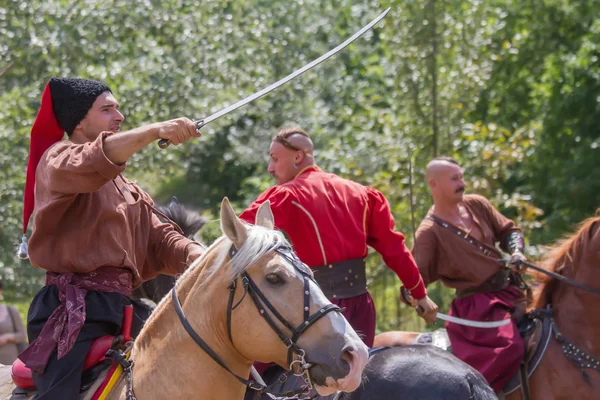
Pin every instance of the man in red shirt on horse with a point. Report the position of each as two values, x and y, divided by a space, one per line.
330 222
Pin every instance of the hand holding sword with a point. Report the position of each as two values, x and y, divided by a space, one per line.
177 131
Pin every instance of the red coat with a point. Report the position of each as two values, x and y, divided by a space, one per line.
329 219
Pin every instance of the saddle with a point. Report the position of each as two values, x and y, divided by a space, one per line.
97 364
535 328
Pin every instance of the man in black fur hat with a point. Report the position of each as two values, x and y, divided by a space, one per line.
95 233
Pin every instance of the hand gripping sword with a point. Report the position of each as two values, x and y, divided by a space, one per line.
163 143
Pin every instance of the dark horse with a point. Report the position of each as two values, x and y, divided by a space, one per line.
419 371
190 223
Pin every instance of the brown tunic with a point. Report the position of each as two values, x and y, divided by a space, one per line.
87 215
442 254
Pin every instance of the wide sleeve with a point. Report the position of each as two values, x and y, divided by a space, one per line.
425 254
501 225
72 168
382 236
167 250
280 198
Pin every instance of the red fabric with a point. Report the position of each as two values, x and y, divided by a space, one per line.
329 219
496 353
63 326
45 132
360 313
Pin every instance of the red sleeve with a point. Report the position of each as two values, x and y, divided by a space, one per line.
280 198
390 244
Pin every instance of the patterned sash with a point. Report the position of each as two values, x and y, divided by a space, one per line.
65 322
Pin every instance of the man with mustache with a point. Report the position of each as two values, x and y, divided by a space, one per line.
456 243
95 233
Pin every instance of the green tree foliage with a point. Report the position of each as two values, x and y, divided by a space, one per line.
508 88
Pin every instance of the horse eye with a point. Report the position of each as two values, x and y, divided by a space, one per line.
274 279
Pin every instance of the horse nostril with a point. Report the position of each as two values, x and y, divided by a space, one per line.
348 355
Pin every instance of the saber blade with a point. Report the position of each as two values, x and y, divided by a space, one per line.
474 324
163 143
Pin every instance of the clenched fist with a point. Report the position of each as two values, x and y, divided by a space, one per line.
177 131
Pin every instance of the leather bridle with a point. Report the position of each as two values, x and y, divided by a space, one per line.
297 365
552 274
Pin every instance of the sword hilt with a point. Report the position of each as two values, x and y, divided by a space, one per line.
409 299
164 143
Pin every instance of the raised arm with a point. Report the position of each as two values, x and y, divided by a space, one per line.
118 148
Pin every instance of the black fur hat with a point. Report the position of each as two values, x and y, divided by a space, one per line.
72 98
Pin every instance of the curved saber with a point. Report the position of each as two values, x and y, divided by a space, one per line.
474 324
407 297
202 122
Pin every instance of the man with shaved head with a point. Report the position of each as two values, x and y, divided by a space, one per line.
330 222
456 243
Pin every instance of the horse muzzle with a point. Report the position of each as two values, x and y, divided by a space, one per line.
343 375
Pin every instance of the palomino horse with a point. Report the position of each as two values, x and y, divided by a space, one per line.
274 292
169 364
570 368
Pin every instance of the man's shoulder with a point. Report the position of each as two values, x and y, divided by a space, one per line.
318 177
59 147
476 200
427 226
54 155
282 190
341 181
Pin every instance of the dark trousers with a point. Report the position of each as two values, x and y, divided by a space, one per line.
104 316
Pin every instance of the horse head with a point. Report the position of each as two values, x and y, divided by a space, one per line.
276 312
569 287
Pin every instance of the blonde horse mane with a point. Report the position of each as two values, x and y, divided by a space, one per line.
566 252
259 242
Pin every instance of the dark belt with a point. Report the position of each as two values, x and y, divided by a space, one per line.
343 279
499 281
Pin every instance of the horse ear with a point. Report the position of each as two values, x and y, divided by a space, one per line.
264 216
231 225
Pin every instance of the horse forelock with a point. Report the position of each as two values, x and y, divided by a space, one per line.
566 253
259 242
